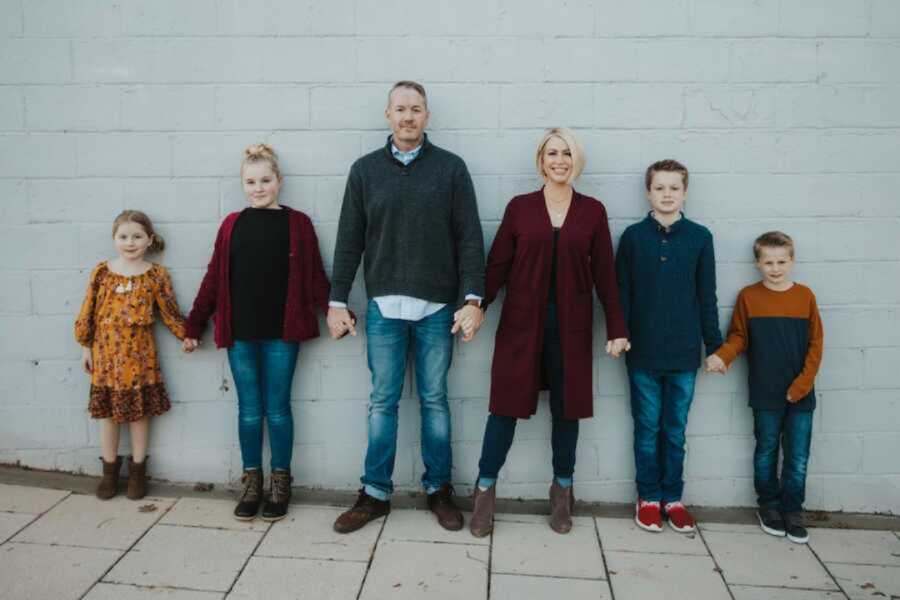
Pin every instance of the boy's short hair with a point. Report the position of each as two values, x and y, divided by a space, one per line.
412 85
773 239
669 164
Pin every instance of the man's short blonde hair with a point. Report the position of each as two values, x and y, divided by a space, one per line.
575 149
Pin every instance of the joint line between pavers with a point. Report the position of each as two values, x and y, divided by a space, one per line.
788 588
716 563
159 517
489 562
544 576
20 529
311 558
442 542
249 556
362 584
612 592
188 526
830 574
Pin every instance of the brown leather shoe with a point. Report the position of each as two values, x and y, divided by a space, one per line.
251 495
562 501
442 505
276 506
366 509
482 522
137 479
109 483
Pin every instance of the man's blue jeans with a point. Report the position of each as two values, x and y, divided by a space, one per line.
792 429
263 371
660 401
388 342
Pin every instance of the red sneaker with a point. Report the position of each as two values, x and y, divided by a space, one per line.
679 518
647 515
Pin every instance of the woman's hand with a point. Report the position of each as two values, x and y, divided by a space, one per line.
87 361
188 345
468 319
340 322
617 346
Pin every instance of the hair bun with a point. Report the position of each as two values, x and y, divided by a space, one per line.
259 151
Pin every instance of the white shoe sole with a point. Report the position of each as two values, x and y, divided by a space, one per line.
798 540
688 529
769 530
650 528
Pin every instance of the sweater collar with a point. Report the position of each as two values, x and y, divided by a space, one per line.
656 225
421 150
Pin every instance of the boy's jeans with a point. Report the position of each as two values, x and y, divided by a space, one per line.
660 401
262 372
388 343
793 429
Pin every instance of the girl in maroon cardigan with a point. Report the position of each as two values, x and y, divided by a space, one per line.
262 286
552 247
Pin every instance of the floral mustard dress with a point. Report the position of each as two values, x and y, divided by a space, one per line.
116 321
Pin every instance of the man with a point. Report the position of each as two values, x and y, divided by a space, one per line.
409 207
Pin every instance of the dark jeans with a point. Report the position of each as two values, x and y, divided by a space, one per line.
792 429
263 371
660 401
498 434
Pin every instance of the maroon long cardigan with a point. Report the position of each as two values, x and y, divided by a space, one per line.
520 260
307 288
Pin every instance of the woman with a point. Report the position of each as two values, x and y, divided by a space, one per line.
552 246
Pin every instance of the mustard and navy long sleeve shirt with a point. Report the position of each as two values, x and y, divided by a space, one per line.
782 334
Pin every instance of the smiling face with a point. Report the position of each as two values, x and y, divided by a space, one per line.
132 241
556 161
775 265
407 114
261 184
667 194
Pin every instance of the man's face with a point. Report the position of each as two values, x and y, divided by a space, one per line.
407 115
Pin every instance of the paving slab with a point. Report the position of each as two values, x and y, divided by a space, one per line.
637 576
207 512
857 547
279 578
765 560
87 521
422 526
517 587
416 570
29 500
186 557
535 549
307 533
516 518
11 523
731 528
115 591
865 581
745 592
624 534
24 570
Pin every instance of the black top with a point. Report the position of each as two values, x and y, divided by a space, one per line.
260 246
551 294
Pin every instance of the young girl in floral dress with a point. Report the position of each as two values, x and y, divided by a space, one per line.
115 329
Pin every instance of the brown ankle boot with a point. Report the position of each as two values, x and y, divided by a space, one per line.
109 483
137 479
482 522
562 501
276 506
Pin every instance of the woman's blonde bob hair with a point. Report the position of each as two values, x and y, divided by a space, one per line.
575 148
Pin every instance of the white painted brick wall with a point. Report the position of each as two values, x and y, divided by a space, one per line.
785 111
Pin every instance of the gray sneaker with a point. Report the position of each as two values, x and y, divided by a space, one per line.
771 522
796 532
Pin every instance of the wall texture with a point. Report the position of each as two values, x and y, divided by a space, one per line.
785 110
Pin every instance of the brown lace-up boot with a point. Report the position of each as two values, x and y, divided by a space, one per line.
137 479
441 504
276 506
251 496
109 483
562 501
482 522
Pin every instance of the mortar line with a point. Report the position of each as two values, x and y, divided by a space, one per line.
612 592
490 563
249 556
827 570
362 584
715 562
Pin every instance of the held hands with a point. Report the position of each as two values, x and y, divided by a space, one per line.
188 345
617 346
340 322
468 319
714 364
87 361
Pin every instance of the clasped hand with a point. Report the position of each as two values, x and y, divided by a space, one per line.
467 319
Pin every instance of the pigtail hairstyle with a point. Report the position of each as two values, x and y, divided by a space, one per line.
157 243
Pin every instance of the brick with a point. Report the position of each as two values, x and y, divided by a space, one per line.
642 18
620 60
860 327
192 378
751 18
729 106
858 239
885 19
58 292
35 61
683 61
297 192
570 18
867 151
847 60
37 155
719 456
58 18
316 153
169 17
29 428
451 105
113 60
14 205
817 18
290 60
207 425
212 154
440 19
858 410
123 154
344 380
833 282
72 108
262 107
872 493
61 383
879 281
329 195
12 109
38 247
836 454
15 293
12 18
837 106
710 414
177 200
307 383
492 152
315 421
638 105
37 338
75 200
288 17
612 152
450 59
700 151
841 369
794 151
536 104
881 368
880 454
348 107
167 108
17 382
189 245
773 60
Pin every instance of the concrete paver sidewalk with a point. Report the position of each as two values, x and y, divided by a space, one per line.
57 545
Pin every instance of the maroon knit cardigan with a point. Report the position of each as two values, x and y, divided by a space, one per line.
307 288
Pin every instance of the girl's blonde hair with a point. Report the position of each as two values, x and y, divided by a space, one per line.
575 149
256 153
157 243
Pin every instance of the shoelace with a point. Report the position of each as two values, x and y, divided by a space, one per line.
281 485
251 489
674 506
645 503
